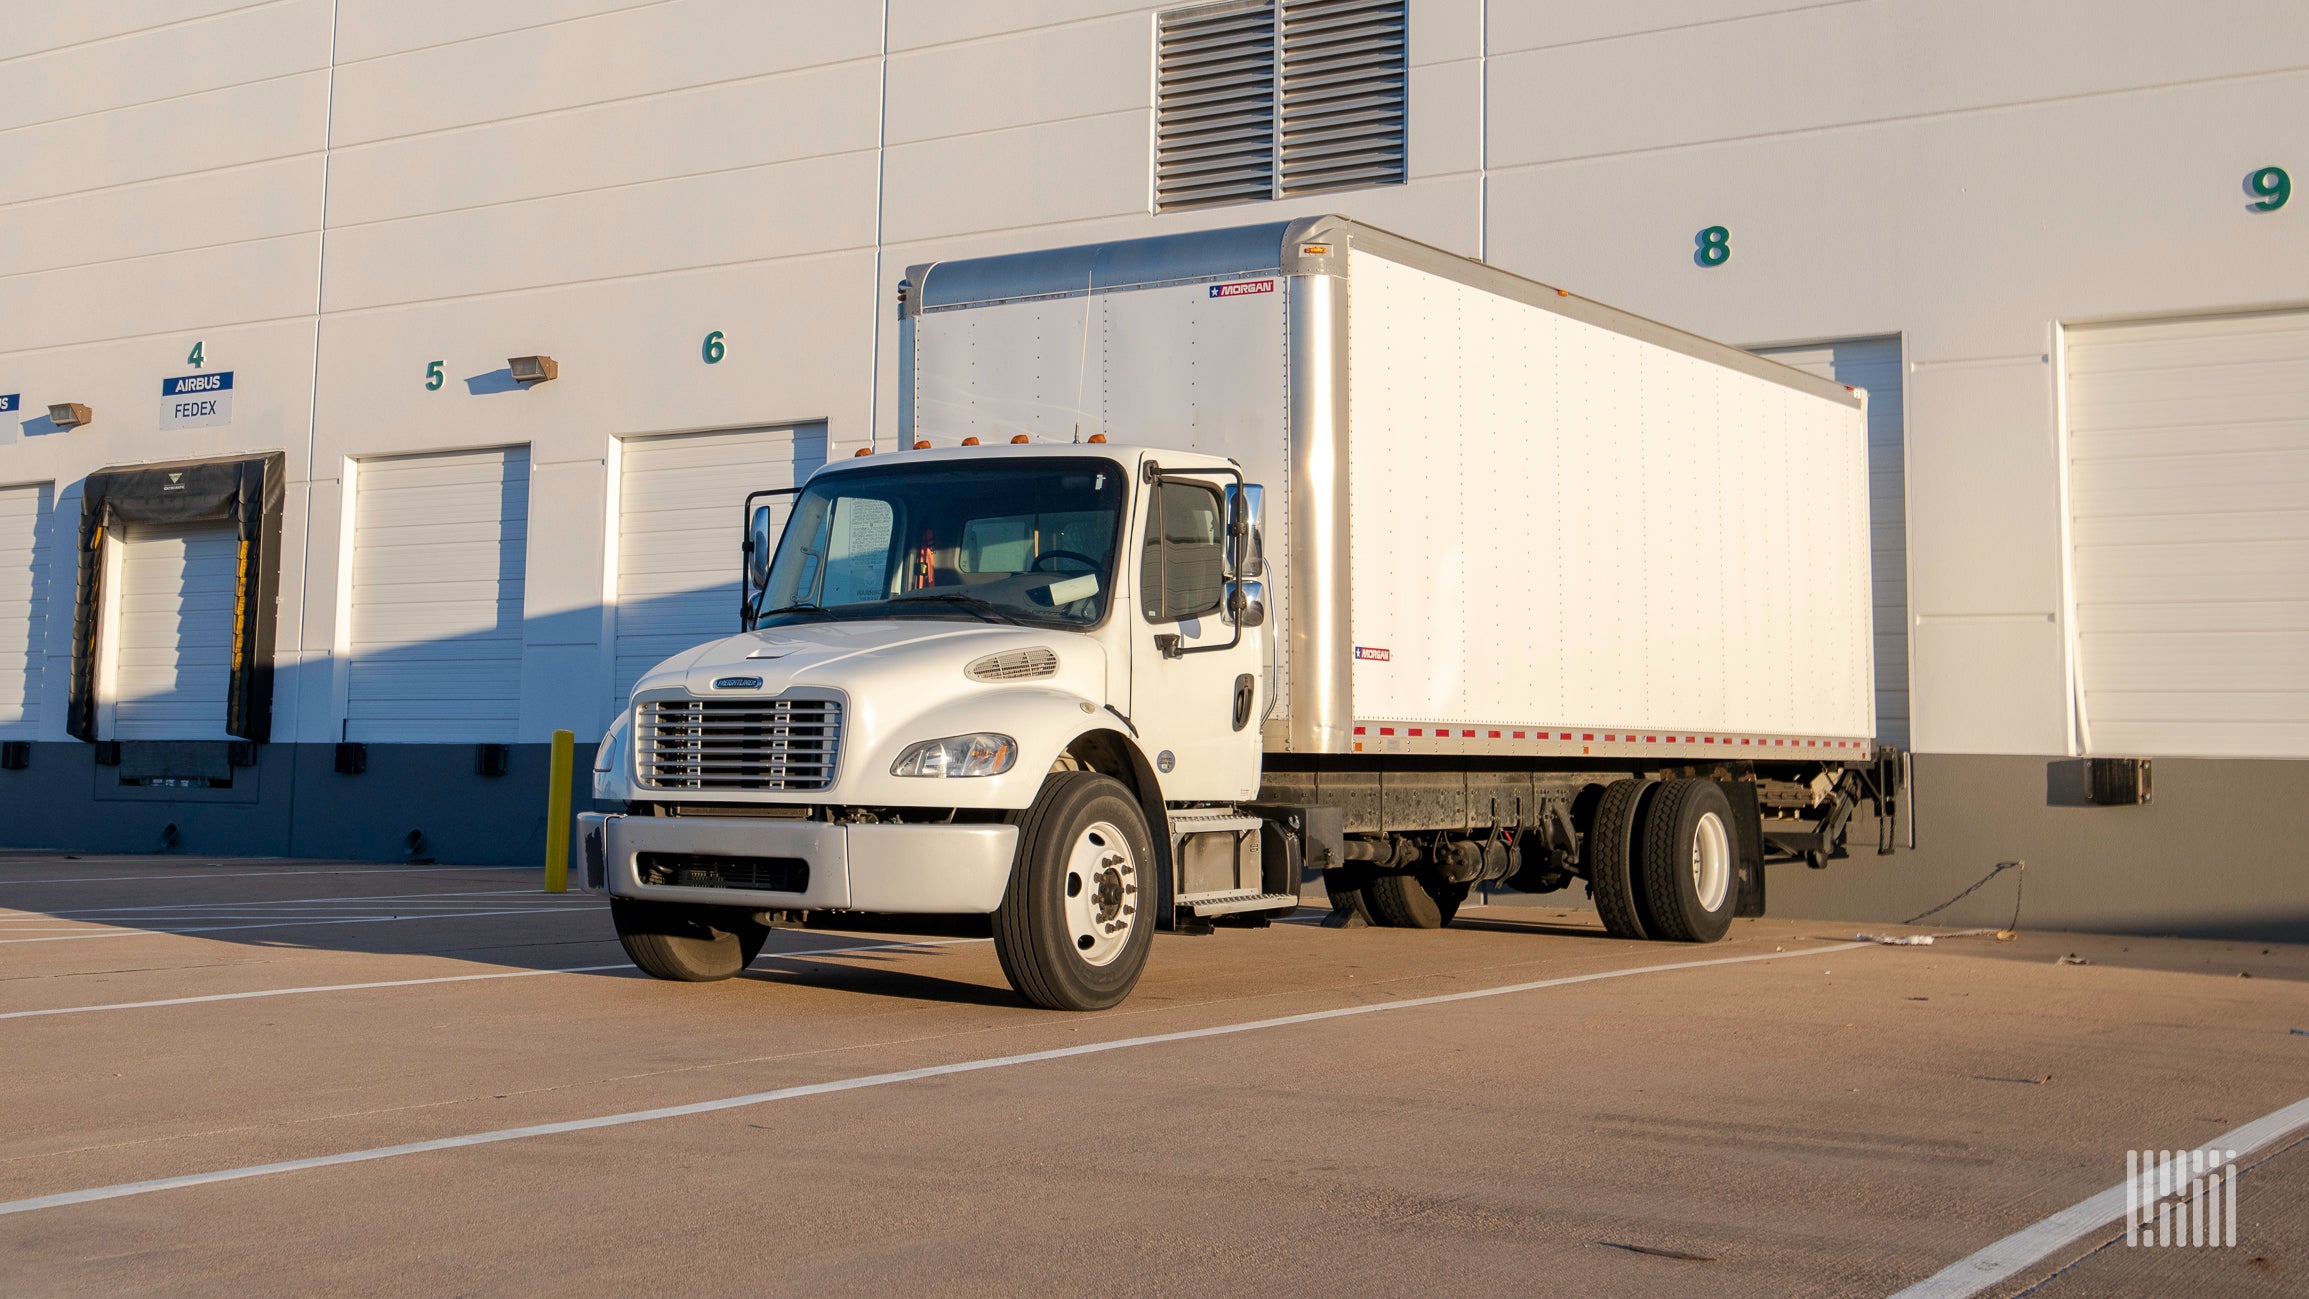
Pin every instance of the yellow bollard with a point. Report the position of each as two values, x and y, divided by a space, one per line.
557 812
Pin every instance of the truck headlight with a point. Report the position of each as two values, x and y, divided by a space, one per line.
605 756
983 754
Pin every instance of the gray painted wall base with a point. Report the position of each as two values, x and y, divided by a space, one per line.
294 804
2216 854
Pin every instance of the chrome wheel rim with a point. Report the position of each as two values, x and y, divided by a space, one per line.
1711 862
1101 893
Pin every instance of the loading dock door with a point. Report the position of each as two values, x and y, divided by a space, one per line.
1874 364
678 533
172 634
2188 446
440 546
23 609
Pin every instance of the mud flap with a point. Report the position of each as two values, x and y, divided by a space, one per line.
1747 845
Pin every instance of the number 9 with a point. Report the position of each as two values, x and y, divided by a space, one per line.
2274 187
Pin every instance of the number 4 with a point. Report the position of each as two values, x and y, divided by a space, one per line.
195 360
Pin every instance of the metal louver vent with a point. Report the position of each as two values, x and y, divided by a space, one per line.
1264 98
1345 75
1215 105
1013 665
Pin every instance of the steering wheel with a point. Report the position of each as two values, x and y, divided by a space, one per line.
1088 564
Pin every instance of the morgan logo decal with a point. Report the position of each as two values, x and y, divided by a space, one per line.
737 683
1374 654
1242 287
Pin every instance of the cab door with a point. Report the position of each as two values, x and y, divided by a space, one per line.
1197 688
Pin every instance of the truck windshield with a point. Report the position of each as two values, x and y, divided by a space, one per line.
1018 543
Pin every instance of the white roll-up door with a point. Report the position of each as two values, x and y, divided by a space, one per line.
1874 364
2188 446
24 551
440 544
172 633
680 501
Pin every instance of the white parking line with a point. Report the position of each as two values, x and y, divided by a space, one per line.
121 1190
1975 1273
303 924
449 978
249 875
240 903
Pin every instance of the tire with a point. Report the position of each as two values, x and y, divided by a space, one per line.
1690 867
1609 856
1078 918
1407 900
686 944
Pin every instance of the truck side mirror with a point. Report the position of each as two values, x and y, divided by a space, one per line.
1246 528
1247 603
760 542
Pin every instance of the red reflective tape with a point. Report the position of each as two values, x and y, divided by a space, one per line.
1654 739
1587 737
1710 740
1469 735
1386 730
1415 730
1563 735
1358 730
1518 735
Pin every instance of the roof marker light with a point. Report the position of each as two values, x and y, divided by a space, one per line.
1016 440
861 451
970 442
923 445
1098 437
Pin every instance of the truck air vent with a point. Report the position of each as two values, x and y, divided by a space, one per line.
692 871
738 744
1014 665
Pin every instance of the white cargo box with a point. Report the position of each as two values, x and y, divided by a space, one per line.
1500 518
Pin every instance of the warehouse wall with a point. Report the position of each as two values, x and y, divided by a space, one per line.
332 195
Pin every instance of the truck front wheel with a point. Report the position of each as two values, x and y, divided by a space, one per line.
1689 871
684 943
1076 922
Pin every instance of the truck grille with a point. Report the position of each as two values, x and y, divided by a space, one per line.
736 744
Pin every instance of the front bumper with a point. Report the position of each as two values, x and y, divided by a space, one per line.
907 869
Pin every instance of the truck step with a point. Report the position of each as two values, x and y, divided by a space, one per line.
1224 904
1212 820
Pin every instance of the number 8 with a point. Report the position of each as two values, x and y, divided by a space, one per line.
2274 187
1714 246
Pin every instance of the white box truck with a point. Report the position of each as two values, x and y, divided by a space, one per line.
1213 559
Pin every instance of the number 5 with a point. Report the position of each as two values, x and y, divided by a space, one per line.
2274 187
433 376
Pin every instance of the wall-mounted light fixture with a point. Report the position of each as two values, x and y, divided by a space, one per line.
68 414
532 369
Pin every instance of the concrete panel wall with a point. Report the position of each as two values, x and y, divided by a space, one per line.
330 195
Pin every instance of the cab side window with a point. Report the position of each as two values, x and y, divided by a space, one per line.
1182 567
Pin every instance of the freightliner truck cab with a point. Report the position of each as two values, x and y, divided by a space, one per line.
1025 681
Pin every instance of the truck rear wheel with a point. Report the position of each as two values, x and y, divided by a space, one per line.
1689 868
684 943
1410 900
1076 922
1611 859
